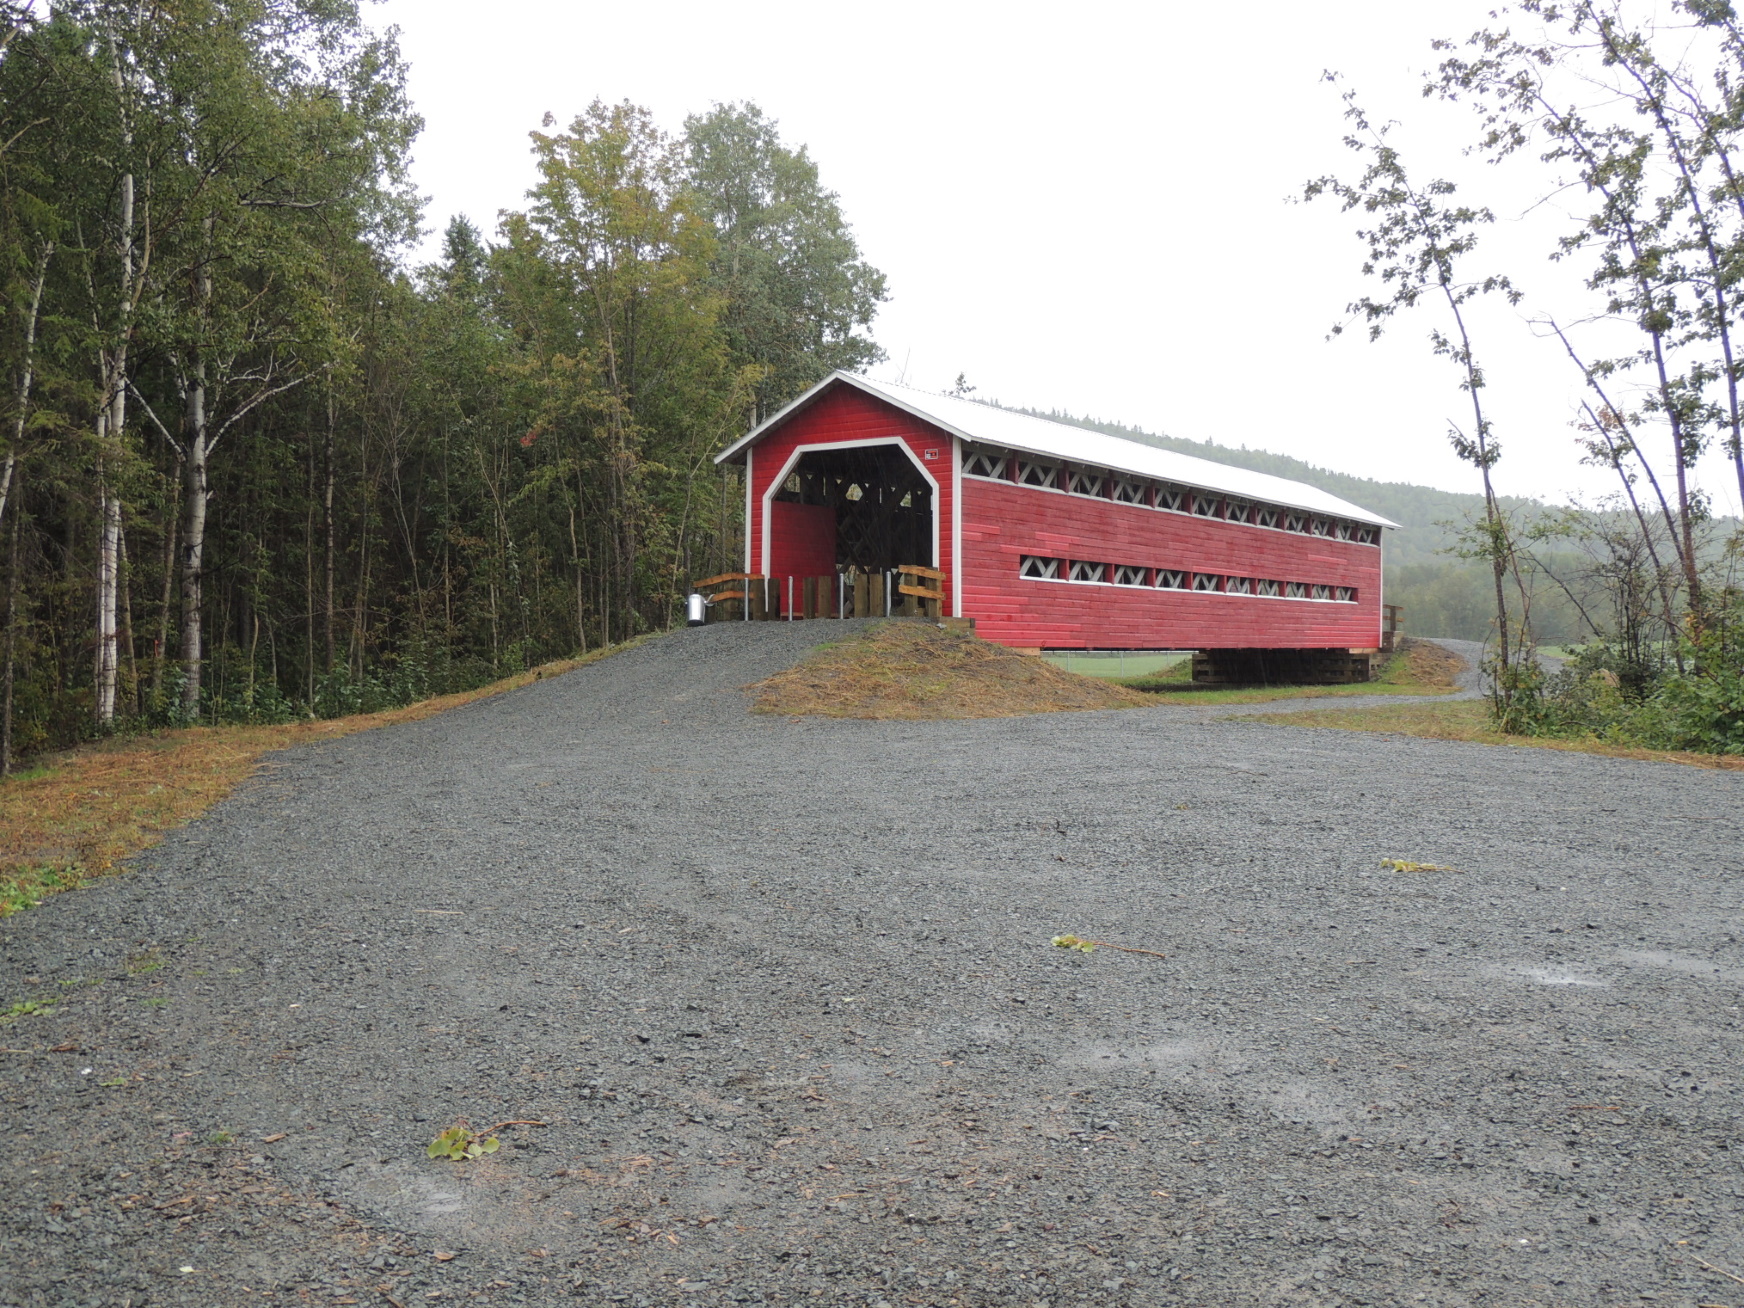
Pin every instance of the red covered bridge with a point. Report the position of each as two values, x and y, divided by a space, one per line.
1049 536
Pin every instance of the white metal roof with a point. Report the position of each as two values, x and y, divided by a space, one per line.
987 425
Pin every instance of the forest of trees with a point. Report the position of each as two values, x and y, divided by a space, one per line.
252 468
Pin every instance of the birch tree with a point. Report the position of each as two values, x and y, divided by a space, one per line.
1418 237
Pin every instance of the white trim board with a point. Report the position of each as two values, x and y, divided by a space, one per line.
799 451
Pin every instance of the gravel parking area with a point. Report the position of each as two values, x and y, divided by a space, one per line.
782 995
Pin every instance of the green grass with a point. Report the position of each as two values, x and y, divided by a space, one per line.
1267 694
1417 669
28 886
1118 666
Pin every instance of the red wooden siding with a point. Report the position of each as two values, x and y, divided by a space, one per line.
1003 522
842 414
803 540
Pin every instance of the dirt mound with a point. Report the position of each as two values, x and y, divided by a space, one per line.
1423 662
916 670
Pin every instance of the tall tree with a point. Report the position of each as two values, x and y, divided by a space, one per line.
607 281
798 296
1420 233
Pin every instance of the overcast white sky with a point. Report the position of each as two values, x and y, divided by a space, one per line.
1079 206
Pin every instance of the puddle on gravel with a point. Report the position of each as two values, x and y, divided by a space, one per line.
1172 1055
1680 964
1550 976
1212 1069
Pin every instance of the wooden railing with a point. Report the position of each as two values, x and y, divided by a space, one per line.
920 599
1392 626
737 596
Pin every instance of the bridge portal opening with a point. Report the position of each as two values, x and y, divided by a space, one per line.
864 509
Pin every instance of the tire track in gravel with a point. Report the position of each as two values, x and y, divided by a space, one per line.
783 993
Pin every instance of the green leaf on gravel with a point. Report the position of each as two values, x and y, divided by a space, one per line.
459 1143
26 1007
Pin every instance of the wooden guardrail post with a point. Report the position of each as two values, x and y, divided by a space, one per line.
1392 626
720 602
919 597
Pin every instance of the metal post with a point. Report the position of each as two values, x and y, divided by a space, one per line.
887 594
841 594
790 597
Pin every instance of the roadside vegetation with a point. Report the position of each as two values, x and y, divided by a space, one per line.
1470 720
254 465
1630 123
76 814
915 669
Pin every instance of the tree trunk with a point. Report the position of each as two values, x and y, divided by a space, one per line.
108 591
11 651
161 644
26 376
327 520
194 542
309 584
580 603
111 431
126 624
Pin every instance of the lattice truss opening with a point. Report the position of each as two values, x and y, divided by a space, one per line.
1095 483
1033 567
884 506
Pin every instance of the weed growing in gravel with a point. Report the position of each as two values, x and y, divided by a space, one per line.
26 1008
113 1083
145 962
460 1142
153 1003
1091 946
1406 865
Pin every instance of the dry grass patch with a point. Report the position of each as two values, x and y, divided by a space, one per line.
75 815
1424 666
1469 720
915 670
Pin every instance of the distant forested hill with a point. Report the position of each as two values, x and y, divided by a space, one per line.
1420 511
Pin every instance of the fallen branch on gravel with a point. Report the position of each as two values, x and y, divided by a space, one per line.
1720 1270
1090 946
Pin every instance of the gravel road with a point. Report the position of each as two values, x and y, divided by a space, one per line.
782 995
